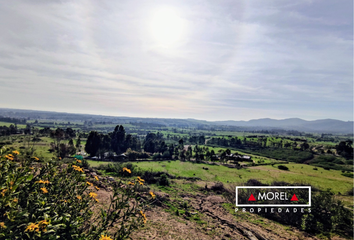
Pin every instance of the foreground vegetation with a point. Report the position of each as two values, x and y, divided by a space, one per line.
51 200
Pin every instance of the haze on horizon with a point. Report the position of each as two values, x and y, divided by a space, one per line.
209 60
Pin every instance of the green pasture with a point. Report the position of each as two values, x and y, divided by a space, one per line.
7 124
298 173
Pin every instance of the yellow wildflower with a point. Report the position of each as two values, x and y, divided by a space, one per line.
3 192
131 183
15 200
142 214
16 152
96 178
10 155
79 161
78 197
127 170
35 158
32 227
44 190
44 182
103 237
90 184
93 195
43 224
97 188
140 179
59 158
2 225
152 195
79 169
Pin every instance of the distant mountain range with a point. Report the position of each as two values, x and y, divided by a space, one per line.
322 125
297 124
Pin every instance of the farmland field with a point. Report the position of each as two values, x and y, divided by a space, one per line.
299 173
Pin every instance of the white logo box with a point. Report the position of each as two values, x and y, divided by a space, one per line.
274 205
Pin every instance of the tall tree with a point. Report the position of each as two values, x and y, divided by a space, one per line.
117 141
93 143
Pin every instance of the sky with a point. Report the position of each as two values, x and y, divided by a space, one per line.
210 60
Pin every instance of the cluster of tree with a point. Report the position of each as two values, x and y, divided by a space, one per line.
345 149
6 131
117 141
200 153
197 140
61 134
66 148
13 120
260 142
154 143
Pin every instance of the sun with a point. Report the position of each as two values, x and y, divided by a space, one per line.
166 26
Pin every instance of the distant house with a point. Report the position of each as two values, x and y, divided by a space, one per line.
246 158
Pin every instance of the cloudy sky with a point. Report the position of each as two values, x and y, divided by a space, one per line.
211 60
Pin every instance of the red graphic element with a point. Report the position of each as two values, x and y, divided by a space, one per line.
251 198
294 198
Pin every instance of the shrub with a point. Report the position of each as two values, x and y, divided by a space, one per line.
254 182
350 192
328 215
218 187
53 200
156 156
117 169
350 175
164 181
282 167
85 163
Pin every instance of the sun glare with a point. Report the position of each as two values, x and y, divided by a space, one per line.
167 26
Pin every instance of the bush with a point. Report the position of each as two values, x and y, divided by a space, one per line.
254 182
282 167
350 192
53 200
164 181
349 175
117 169
156 156
328 215
85 163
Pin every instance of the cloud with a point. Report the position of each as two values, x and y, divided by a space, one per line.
259 57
